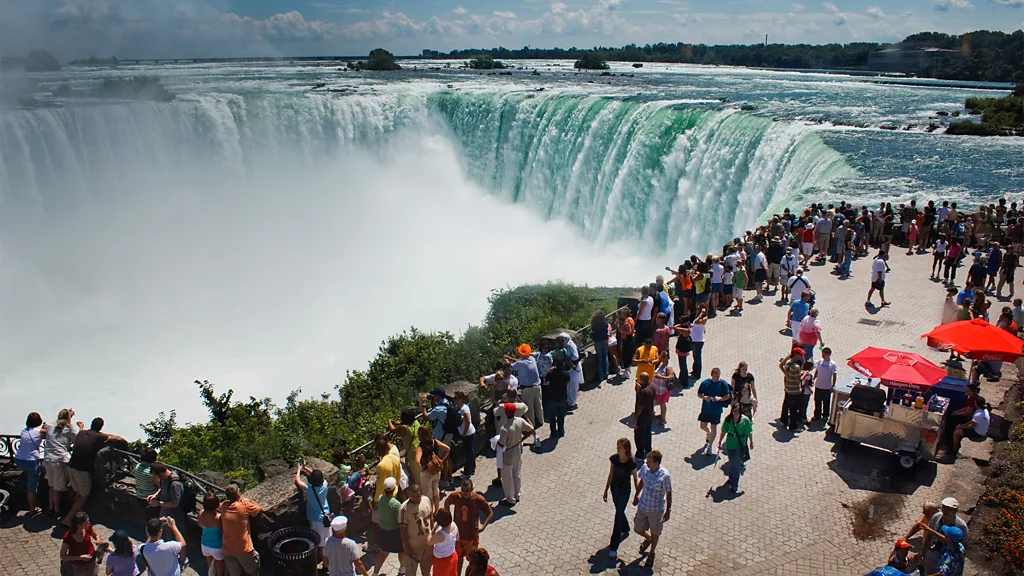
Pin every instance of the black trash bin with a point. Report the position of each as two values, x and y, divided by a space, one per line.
294 550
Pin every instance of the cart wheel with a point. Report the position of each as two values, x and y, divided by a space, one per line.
907 462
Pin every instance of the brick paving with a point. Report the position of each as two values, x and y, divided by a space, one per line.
796 515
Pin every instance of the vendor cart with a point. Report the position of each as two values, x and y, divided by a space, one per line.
894 418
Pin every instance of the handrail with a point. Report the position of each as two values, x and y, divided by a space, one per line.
182 474
585 330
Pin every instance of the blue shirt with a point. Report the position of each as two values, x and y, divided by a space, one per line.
525 370
800 309
966 294
711 388
664 304
436 417
314 510
994 258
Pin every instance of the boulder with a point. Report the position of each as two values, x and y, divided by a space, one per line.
283 503
218 479
272 468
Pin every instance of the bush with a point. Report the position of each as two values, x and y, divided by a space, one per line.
1005 533
485 62
999 117
381 59
592 61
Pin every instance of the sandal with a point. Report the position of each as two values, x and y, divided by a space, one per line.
650 561
644 545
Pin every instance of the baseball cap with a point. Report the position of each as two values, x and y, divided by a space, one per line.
437 391
510 409
903 544
951 503
953 533
390 484
799 351
339 523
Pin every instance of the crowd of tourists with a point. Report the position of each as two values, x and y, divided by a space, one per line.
441 535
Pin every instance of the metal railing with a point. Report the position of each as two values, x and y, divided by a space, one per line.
129 460
583 338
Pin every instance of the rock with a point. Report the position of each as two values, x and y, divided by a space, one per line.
278 496
216 478
272 468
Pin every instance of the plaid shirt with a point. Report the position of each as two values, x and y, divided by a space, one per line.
656 484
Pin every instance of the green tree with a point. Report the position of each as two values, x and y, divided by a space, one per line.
381 59
485 62
592 61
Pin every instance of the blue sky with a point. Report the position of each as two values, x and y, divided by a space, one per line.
167 28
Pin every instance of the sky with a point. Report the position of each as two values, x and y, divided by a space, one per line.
194 28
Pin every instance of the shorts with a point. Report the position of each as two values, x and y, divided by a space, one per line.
971 434
31 469
1007 276
662 398
688 293
938 258
464 547
321 530
81 482
727 289
709 418
246 563
218 553
653 521
701 298
737 292
760 275
716 287
430 483
807 248
878 284
391 540
57 475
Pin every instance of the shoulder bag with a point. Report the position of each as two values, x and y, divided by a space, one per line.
327 517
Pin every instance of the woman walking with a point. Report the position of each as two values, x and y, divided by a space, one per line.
697 342
57 452
29 457
431 455
738 437
744 391
599 334
664 376
443 539
621 470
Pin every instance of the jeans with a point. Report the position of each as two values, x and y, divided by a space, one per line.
734 467
469 456
682 375
601 348
949 270
557 418
804 402
847 260
642 436
822 403
621 527
31 470
698 348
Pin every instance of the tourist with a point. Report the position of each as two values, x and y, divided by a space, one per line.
717 272
976 428
499 382
318 513
878 270
645 314
697 328
145 487
643 415
806 389
239 555
798 284
170 490
83 460
438 415
774 254
645 358
848 248
444 539
788 267
760 272
468 507
701 280
56 453
798 310
807 244
415 517
743 390
727 287
911 238
662 301
1007 269
738 438
407 434
662 332
792 370
122 559
739 284
479 564
510 438
599 334
341 553
822 236
945 517
713 392
1018 314
556 396
949 306
950 558
684 345
576 370
621 470
653 501
211 542
664 378
627 330
951 262
825 371
467 431
29 457
810 333
938 255
164 557
78 549
431 455
501 420
390 535
978 271
928 509
993 265
525 369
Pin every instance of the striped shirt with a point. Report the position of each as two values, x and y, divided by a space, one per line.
656 484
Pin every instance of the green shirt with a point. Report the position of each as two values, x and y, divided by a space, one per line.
388 507
409 438
344 471
143 481
739 278
744 430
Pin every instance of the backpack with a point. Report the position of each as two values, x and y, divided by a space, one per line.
452 418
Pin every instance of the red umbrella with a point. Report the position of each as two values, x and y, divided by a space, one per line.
896 367
978 340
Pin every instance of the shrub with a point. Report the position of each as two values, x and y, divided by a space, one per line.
1005 533
592 61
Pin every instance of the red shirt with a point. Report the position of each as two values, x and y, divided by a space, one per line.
808 235
83 548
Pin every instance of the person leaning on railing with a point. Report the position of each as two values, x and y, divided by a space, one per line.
144 485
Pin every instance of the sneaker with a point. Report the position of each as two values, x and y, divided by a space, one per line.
707 450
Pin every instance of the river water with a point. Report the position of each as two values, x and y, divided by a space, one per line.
267 236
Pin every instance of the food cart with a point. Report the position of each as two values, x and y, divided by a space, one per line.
902 417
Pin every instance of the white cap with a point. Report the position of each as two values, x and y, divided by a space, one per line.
951 503
339 523
390 484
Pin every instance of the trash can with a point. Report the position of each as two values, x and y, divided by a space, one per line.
294 549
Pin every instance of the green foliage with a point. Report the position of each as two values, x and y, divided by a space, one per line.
999 117
381 59
592 61
485 62
239 436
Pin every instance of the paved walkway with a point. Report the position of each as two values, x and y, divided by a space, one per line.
802 502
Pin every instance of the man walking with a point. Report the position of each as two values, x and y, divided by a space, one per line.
825 371
713 392
789 265
643 416
878 270
469 506
414 519
343 554
653 503
510 438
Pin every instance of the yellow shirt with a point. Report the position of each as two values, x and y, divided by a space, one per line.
646 361
389 467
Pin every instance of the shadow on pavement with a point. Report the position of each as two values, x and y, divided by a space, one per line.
699 461
722 493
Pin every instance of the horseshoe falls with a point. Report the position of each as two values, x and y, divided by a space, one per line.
265 235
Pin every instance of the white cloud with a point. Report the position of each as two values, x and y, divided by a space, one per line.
839 17
460 11
289 26
797 8
1010 3
876 12
945 5
506 15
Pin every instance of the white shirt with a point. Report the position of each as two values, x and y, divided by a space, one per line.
697 333
825 372
447 547
512 381
342 554
943 212
982 418
940 246
790 264
732 259
162 558
761 262
646 314
797 286
877 270
466 432
716 273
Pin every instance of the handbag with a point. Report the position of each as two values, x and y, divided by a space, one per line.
744 449
327 517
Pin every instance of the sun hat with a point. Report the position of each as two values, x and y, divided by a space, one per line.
339 523
809 226
953 533
525 350
951 503
510 409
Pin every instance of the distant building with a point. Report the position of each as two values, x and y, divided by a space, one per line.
916 61
430 53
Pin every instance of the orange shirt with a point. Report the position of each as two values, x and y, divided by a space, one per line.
647 357
626 329
234 519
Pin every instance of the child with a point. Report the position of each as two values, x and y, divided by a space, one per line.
807 387
1018 312
911 238
727 285
739 283
949 306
